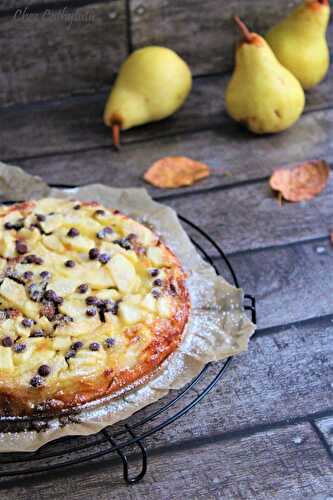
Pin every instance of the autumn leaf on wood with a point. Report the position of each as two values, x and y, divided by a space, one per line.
175 171
302 182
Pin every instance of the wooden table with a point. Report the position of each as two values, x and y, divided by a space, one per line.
267 429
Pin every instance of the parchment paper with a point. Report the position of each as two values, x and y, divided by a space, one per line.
217 327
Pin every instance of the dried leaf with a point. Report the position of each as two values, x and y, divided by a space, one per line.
302 182
175 171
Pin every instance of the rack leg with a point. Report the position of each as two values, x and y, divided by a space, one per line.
127 478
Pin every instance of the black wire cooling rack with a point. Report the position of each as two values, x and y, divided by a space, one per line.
73 451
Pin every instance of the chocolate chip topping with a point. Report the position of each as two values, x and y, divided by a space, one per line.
32 259
91 300
104 258
21 247
37 334
83 288
94 346
45 275
7 341
157 282
154 272
77 345
28 275
73 232
93 253
77 207
91 311
19 347
44 370
40 217
70 263
70 354
100 212
36 381
103 233
109 342
27 322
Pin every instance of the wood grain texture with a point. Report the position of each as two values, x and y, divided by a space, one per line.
290 283
209 25
227 469
43 56
233 154
76 123
325 428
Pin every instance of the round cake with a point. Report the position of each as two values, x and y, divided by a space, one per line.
91 303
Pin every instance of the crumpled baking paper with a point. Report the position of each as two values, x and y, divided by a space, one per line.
217 328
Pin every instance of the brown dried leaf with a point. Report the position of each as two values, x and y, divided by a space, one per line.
302 182
175 171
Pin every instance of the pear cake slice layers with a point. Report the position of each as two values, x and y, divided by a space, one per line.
91 303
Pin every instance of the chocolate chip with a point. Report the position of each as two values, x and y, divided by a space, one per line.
70 354
50 295
36 381
73 232
82 288
104 258
91 311
8 225
94 346
77 207
155 293
91 300
36 292
33 259
44 370
27 322
173 289
37 334
93 253
157 282
124 243
40 217
77 345
19 347
45 275
103 233
109 342
58 300
28 275
154 272
100 212
70 263
21 247
7 341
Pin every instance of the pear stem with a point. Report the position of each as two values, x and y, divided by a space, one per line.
244 29
116 135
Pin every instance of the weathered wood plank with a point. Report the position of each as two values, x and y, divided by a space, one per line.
290 284
249 217
287 463
76 123
284 376
205 37
44 56
228 150
325 428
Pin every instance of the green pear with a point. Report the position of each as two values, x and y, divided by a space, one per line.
299 42
261 93
152 84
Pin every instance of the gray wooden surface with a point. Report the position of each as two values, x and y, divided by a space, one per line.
266 430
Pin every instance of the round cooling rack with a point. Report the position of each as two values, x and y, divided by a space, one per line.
127 439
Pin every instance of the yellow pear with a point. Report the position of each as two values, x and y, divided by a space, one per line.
152 84
261 93
299 42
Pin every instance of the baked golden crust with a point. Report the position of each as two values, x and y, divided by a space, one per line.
91 302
